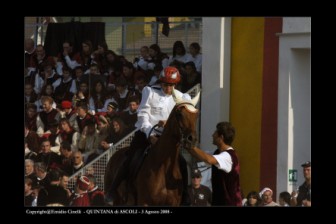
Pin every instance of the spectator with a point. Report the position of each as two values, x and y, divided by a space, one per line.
141 62
195 56
191 78
81 197
155 78
66 157
103 128
36 189
49 158
68 58
130 116
53 194
158 58
28 192
39 60
284 199
32 139
303 197
95 194
29 171
64 184
199 194
78 163
121 95
68 133
85 55
82 94
83 117
225 169
40 170
47 90
101 149
80 77
140 83
29 47
49 77
31 115
99 55
99 95
266 195
129 74
179 53
253 199
113 67
52 136
89 140
29 94
47 116
65 87
28 153
111 112
119 131
70 114
95 77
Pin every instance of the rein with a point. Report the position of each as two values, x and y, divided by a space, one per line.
183 136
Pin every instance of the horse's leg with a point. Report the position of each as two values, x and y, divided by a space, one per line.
120 176
184 172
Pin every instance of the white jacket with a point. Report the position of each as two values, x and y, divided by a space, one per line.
155 106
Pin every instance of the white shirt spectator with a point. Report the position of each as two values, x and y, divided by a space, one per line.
181 58
197 61
142 63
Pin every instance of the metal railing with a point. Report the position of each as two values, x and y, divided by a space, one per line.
97 167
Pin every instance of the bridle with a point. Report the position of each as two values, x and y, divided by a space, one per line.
184 137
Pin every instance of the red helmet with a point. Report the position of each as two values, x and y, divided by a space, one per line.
170 75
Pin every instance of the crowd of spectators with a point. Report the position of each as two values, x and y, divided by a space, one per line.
78 104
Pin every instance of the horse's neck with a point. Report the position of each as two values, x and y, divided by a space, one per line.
168 144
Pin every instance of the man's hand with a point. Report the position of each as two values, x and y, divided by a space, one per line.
153 139
65 53
162 123
187 144
306 203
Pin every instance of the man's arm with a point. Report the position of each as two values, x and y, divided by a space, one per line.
144 111
201 155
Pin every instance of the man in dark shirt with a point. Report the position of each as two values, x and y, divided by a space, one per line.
303 197
199 194
53 194
225 166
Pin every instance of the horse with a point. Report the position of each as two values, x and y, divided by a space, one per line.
159 180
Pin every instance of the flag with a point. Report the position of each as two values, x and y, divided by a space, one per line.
165 23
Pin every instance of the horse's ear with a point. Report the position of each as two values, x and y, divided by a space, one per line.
176 98
194 100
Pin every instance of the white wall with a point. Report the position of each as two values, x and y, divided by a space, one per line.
294 95
296 24
215 80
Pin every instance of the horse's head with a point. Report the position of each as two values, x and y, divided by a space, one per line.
186 115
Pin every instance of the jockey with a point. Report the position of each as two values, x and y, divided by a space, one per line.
156 104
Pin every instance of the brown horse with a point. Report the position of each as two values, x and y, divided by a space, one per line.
159 180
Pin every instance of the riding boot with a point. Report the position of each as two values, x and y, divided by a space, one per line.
185 201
